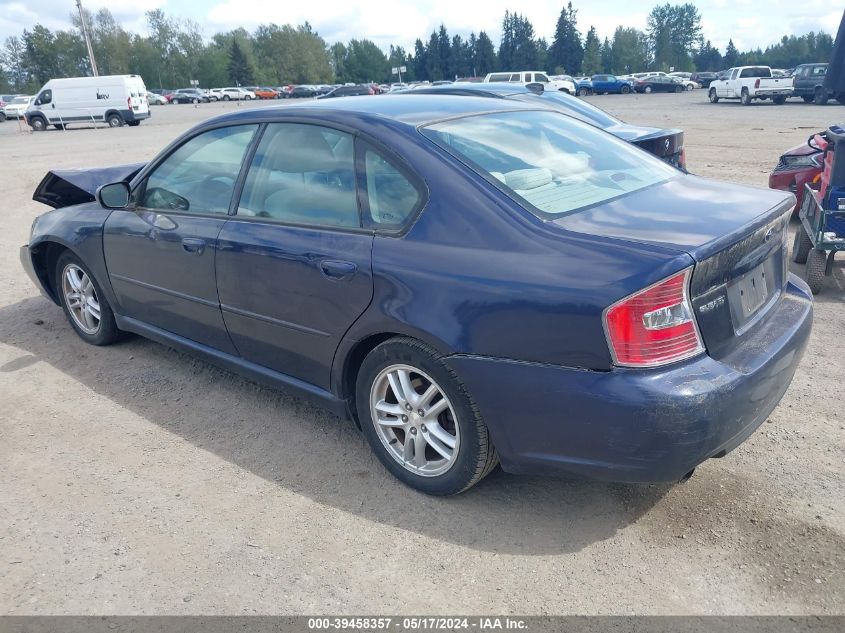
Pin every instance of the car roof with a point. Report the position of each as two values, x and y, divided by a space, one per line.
410 110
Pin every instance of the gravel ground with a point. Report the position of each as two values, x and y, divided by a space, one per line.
137 480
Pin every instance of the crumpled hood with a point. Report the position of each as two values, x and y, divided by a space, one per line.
67 187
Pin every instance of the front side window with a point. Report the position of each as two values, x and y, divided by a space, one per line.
550 163
45 97
391 196
199 177
302 174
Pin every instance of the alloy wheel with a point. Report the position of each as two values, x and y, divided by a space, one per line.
414 420
81 298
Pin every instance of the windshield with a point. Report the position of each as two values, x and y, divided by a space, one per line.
550 163
572 106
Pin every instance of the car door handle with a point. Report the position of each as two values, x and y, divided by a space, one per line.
334 269
193 245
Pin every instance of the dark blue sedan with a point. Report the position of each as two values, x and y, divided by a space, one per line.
473 281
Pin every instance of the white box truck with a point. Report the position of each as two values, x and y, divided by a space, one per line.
113 99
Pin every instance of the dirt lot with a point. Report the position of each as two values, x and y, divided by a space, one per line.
135 479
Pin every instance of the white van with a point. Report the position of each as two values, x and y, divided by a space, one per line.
112 99
531 76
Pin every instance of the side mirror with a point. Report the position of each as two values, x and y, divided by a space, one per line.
114 195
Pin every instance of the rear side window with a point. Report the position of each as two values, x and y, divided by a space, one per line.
302 174
516 77
499 77
819 71
392 196
199 177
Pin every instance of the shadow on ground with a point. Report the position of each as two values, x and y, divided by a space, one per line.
311 452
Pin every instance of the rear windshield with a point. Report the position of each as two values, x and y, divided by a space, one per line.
759 71
550 163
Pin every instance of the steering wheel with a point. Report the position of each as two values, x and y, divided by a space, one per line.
812 141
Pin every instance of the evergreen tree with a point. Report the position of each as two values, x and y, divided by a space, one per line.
592 53
485 55
239 69
606 57
420 61
566 51
433 61
731 57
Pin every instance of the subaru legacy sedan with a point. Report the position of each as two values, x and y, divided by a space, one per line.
473 281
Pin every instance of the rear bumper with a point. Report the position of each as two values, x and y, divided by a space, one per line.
639 425
779 92
131 115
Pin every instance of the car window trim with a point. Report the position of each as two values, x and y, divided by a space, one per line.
139 183
417 182
241 183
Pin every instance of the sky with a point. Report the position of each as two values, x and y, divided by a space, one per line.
751 23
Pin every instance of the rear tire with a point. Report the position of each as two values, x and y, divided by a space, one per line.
583 92
801 246
471 452
133 123
807 98
679 88
114 120
625 90
647 90
76 286
712 96
779 100
745 97
225 97
690 87
816 264
820 97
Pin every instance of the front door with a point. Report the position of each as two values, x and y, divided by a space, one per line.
161 252
293 265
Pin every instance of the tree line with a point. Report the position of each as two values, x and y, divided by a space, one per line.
174 51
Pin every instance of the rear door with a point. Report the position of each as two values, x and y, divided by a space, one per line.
294 262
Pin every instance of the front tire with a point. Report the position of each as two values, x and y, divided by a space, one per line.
83 302
690 87
583 92
38 124
420 421
679 88
713 96
647 90
226 97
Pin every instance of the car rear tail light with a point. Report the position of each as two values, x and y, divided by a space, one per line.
129 102
756 84
654 326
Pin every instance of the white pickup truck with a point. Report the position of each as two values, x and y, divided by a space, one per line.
532 76
748 83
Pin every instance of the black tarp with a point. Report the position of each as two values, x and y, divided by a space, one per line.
834 80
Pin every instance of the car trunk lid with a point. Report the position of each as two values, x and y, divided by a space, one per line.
735 234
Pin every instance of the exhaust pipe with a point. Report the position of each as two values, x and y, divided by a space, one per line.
686 477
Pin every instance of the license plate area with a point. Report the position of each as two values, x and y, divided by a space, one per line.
751 292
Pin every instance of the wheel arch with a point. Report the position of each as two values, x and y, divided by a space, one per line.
44 256
111 111
352 353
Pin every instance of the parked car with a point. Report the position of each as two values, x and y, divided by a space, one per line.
799 166
666 144
749 83
657 83
213 94
156 99
703 79
189 95
303 92
236 94
16 108
808 83
606 330
264 93
688 84
607 84
530 77
348 91
583 86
